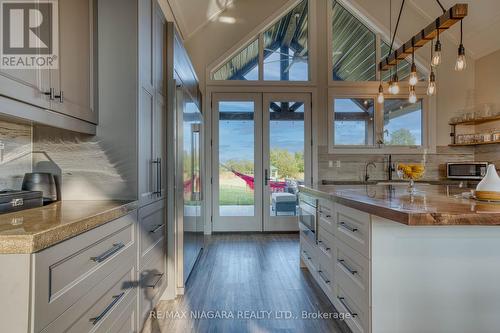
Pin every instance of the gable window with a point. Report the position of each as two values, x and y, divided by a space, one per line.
353 47
284 55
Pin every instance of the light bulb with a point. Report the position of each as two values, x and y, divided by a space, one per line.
413 75
413 96
436 58
380 96
461 62
431 88
395 88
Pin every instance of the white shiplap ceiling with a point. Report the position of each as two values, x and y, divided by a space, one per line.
481 27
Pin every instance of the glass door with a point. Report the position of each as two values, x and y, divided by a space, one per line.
237 162
287 160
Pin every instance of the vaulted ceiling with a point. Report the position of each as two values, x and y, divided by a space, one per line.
481 27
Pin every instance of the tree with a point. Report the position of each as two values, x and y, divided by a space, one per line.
402 137
285 162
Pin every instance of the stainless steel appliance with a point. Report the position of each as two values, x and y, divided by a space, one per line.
466 170
13 200
44 182
308 216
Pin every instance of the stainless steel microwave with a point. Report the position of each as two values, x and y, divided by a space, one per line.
466 170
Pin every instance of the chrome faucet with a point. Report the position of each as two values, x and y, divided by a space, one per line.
367 177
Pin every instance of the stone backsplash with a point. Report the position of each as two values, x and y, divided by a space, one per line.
351 167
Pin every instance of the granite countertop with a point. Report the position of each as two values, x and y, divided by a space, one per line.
431 205
35 229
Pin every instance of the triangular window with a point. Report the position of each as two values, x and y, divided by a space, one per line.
285 55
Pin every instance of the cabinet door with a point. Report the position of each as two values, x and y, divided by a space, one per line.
160 50
146 43
26 85
73 80
148 166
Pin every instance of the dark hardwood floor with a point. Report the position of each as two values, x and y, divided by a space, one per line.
245 276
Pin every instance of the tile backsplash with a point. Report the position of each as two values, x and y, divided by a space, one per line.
345 167
15 153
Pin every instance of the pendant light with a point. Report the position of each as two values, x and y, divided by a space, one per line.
380 96
413 95
431 87
413 73
436 59
395 82
461 62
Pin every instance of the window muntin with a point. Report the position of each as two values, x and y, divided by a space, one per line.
243 66
402 122
286 53
353 47
354 122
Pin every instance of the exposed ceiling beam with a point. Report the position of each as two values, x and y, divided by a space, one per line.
444 22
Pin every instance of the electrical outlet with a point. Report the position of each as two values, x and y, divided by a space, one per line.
338 164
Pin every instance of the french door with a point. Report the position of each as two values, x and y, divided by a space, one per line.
261 153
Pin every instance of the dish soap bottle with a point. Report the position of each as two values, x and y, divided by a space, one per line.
489 187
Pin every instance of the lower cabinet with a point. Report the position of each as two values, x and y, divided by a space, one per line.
337 257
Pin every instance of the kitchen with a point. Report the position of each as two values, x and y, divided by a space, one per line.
245 166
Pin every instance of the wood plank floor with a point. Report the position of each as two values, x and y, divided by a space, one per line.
248 272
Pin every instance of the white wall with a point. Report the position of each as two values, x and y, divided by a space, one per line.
488 79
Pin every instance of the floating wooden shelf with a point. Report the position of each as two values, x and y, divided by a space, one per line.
476 121
473 144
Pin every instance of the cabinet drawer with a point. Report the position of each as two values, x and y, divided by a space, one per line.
152 229
352 272
353 228
152 282
326 276
67 271
356 317
99 309
309 256
326 215
126 322
326 245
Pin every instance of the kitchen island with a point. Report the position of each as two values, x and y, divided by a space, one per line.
395 262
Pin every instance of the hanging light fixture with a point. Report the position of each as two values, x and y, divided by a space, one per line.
380 96
436 59
431 87
413 73
461 62
413 95
395 82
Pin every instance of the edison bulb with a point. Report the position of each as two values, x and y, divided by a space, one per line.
436 58
395 88
413 97
461 63
431 88
380 97
413 79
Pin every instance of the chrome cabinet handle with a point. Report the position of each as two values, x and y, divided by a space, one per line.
157 227
108 253
160 276
348 227
158 192
116 298
342 301
349 269
157 189
50 93
60 96
316 221
320 273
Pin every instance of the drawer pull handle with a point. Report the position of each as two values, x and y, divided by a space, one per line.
324 248
320 273
160 276
108 253
342 301
350 270
116 298
348 227
157 227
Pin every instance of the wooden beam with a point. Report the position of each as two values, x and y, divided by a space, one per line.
453 15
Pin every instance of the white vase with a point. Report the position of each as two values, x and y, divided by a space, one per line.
489 187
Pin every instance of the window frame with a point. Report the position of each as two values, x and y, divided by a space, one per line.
258 33
369 90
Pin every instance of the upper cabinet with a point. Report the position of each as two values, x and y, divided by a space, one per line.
66 93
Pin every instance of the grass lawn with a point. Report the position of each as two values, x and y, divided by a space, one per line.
234 191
